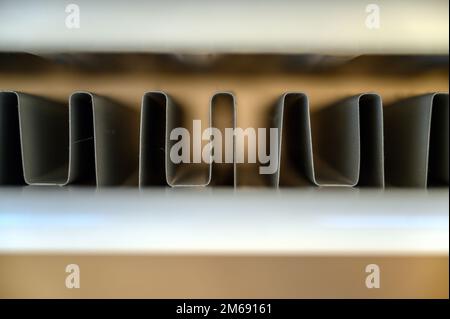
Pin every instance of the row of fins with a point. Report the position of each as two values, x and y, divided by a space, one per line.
96 141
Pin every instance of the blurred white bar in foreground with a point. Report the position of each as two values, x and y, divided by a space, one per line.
218 221
203 26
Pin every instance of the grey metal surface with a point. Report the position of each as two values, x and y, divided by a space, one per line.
93 141
44 137
159 115
340 145
417 138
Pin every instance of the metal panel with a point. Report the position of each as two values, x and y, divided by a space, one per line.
417 141
340 145
93 141
156 168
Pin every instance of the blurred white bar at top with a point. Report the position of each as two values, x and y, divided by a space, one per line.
211 26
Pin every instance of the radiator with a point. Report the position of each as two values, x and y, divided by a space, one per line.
224 150
95 141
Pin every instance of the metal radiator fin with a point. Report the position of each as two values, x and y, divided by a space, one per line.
93 141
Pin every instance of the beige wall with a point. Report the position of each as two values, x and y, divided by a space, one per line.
159 276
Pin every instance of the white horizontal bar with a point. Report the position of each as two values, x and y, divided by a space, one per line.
218 221
204 26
